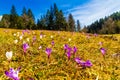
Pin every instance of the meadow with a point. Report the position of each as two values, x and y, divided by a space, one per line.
36 64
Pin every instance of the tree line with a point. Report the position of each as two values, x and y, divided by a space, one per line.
54 19
107 25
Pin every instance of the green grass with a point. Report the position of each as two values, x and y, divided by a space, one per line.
35 64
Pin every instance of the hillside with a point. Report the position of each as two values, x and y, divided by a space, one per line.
108 25
35 64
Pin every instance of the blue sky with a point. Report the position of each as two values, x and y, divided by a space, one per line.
87 11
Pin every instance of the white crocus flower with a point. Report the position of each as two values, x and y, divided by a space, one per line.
18 33
9 55
69 39
40 47
28 39
21 37
16 41
41 36
14 34
51 36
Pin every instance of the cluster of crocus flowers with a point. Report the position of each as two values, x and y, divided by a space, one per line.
69 50
13 74
82 63
9 55
25 31
48 52
25 47
95 34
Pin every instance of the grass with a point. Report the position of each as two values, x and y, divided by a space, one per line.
35 64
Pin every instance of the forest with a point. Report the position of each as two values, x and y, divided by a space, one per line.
54 19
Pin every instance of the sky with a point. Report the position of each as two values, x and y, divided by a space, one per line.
86 11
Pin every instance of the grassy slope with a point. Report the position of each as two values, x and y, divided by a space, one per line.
36 65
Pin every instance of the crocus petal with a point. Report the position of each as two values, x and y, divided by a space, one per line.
74 49
6 73
68 55
77 60
88 63
65 46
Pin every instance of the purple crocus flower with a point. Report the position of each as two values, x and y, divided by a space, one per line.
68 55
25 47
25 31
88 63
74 49
103 51
13 74
95 34
66 47
48 52
41 35
100 43
84 64
78 60
69 49
34 38
52 43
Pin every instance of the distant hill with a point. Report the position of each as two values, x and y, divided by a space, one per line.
107 25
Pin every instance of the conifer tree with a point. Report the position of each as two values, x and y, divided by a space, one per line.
78 26
71 23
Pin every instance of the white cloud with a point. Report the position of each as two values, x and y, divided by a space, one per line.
94 10
0 18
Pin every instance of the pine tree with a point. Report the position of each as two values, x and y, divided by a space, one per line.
78 26
56 17
51 19
42 23
30 14
13 17
24 11
25 18
61 21
71 23
31 20
13 11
